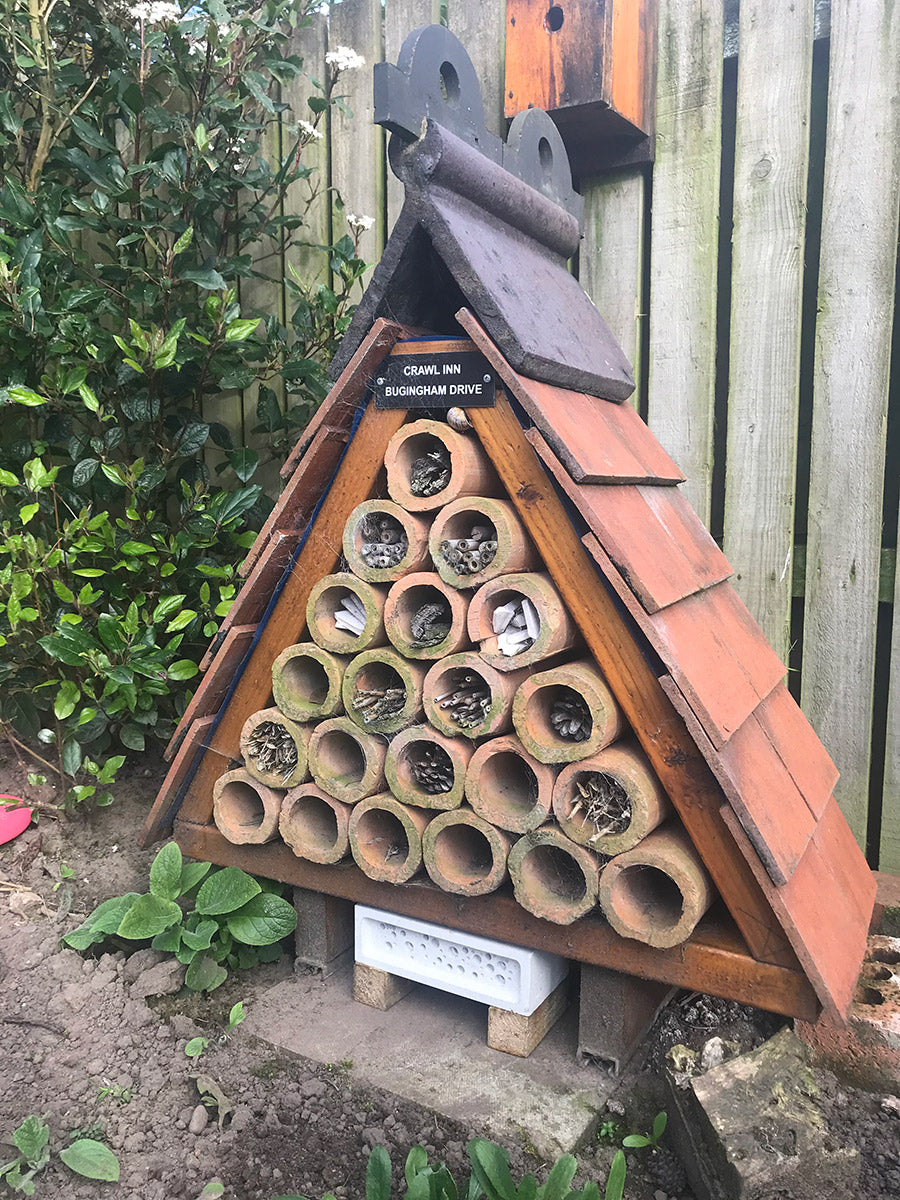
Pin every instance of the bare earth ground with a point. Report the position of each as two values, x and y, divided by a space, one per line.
77 1048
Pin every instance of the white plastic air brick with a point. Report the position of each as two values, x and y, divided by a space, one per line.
496 973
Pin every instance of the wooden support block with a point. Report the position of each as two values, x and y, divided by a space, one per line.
379 989
515 1034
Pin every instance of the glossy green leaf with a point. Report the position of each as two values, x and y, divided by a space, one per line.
226 891
91 1159
263 920
165 872
66 699
148 916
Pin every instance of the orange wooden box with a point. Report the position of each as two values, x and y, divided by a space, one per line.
592 65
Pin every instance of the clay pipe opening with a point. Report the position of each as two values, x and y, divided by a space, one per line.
386 838
553 877
425 618
382 541
477 538
306 682
519 620
429 464
463 695
657 892
345 614
382 691
274 748
245 811
465 854
315 825
508 787
566 713
345 762
426 769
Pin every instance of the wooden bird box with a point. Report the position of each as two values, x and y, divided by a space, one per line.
591 64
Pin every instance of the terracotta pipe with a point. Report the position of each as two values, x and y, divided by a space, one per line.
421 746
299 735
380 671
493 601
386 838
508 787
499 523
414 529
245 811
330 597
464 854
623 796
306 682
470 470
657 892
467 674
404 607
345 762
545 700
552 876
315 825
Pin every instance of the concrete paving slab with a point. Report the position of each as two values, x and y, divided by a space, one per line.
430 1049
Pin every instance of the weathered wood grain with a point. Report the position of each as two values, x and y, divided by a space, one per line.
652 535
596 440
825 906
357 145
714 959
770 173
890 812
860 208
401 17
611 260
482 30
157 824
684 239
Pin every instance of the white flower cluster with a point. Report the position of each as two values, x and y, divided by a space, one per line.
155 12
344 59
309 131
360 223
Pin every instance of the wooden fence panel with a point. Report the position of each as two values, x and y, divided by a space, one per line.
482 30
357 145
611 259
853 347
309 197
684 239
401 17
770 174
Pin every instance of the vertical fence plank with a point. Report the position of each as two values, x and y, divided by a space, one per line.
684 235
611 259
853 344
770 170
482 30
890 813
309 198
357 145
401 17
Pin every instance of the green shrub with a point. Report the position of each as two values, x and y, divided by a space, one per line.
137 183
209 918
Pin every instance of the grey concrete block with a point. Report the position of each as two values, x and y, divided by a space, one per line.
324 934
615 1013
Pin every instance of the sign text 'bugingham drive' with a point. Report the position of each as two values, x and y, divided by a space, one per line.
434 381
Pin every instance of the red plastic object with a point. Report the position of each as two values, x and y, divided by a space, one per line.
13 821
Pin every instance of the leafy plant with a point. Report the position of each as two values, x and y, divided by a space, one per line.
32 1140
209 918
85 1156
153 169
639 1141
490 1177
114 1091
195 1047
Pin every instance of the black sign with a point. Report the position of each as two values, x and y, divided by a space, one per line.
442 381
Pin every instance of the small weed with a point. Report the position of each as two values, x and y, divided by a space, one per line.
65 872
610 1131
37 780
639 1141
195 1047
96 1131
114 1091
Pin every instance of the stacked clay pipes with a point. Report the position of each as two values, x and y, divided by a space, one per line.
443 715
